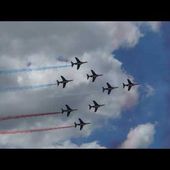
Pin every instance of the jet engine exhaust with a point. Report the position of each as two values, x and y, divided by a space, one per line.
26 87
13 71
33 130
27 115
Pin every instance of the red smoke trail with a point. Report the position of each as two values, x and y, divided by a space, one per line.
27 115
33 130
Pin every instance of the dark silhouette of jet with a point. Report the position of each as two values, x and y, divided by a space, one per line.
109 88
95 106
81 124
78 63
129 85
94 75
68 110
64 81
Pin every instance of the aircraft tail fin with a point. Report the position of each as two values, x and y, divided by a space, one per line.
123 85
75 124
72 64
87 76
103 89
58 82
90 106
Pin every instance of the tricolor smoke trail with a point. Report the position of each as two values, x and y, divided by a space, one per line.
12 71
27 115
34 130
26 87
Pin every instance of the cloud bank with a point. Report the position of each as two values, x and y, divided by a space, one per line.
140 137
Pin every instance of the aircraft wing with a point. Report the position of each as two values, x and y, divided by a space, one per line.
81 122
93 72
77 60
95 110
109 91
63 78
95 103
108 85
68 108
81 127
129 81
64 84
129 87
68 113
78 66
93 79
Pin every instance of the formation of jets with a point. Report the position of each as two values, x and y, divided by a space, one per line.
109 88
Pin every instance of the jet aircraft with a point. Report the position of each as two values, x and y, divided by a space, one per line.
93 76
81 124
109 88
68 110
129 85
64 81
95 106
78 63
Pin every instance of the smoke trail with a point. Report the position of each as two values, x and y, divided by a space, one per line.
26 87
12 71
28 115
33 130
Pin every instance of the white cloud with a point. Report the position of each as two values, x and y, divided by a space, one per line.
149 90
140 137
41 43
152 25
155 26
69 144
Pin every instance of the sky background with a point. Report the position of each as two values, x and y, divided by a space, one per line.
119 50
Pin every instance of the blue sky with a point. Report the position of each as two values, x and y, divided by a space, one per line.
147 62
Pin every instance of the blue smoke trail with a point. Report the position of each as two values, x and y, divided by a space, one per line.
26 87
31 69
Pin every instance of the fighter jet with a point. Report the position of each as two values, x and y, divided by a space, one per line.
96 105
68 110
78 63
64 81
81 124
94 75
129 85
109 88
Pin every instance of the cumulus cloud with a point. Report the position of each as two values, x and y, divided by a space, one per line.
140 137
40 43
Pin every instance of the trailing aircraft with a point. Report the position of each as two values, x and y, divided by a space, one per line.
78 63
68 110
109 88
81 124
93 76
95 106
129 85
64 81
